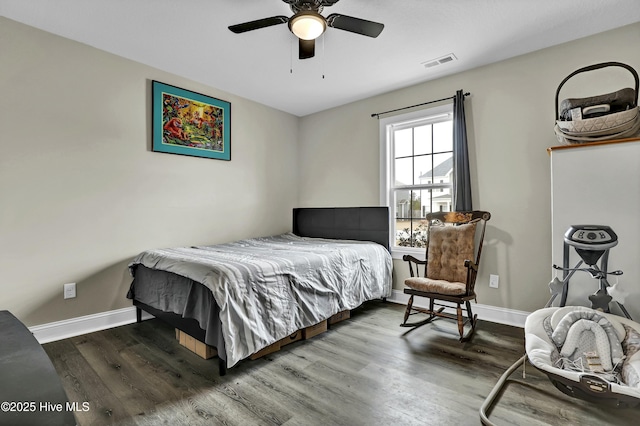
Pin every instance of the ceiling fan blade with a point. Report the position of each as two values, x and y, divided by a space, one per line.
306 48
259 23
355 25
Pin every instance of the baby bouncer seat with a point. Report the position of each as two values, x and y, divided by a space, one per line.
585 353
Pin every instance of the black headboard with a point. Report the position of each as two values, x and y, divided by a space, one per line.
345 223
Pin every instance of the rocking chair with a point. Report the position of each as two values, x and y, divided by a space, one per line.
450 269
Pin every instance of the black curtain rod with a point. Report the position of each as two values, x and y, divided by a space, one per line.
378 114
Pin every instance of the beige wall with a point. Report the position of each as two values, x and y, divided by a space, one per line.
510 117
81 192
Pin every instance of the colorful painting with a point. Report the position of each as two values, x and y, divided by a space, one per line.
190 123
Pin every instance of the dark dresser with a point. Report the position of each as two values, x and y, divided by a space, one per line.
31 392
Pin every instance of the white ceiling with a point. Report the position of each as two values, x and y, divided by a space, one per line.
190 38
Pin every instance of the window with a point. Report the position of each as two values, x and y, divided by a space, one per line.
417 173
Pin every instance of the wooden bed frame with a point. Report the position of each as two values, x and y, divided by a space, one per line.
344 223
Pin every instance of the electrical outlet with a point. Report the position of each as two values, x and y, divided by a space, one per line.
70 290
493 281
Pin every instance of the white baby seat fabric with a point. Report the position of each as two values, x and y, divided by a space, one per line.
586 353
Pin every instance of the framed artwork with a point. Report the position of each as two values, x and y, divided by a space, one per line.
190 123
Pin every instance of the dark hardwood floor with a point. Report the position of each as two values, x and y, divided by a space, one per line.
360 372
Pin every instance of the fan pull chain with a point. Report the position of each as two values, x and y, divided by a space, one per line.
291 57
323 59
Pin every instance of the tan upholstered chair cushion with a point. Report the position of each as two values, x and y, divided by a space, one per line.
449 247
436 286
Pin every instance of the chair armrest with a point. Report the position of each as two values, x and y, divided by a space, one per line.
411 259
471 265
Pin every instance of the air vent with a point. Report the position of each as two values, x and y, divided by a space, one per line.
439 61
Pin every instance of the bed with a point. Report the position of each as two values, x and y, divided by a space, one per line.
243 296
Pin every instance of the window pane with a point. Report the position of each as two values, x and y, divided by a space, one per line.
407 204
410 225
425 202
442 203
422 168
403 141
443 173
403 233
402 203
443 167
404 171
422 201
422 140
402 230
443 136
419 235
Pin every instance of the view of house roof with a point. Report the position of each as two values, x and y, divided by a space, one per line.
442 169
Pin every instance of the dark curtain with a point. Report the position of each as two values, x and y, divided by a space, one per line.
462 177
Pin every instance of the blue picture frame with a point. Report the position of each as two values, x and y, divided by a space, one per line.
190 123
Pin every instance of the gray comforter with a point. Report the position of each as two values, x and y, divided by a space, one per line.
267 288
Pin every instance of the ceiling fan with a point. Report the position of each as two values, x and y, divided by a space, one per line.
308 24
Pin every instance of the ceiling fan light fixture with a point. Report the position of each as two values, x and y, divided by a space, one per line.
307 25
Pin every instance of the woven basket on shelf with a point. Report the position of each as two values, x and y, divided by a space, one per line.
622 122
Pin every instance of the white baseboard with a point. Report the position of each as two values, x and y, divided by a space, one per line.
484 312
59 330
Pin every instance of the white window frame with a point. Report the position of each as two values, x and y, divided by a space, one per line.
387 125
